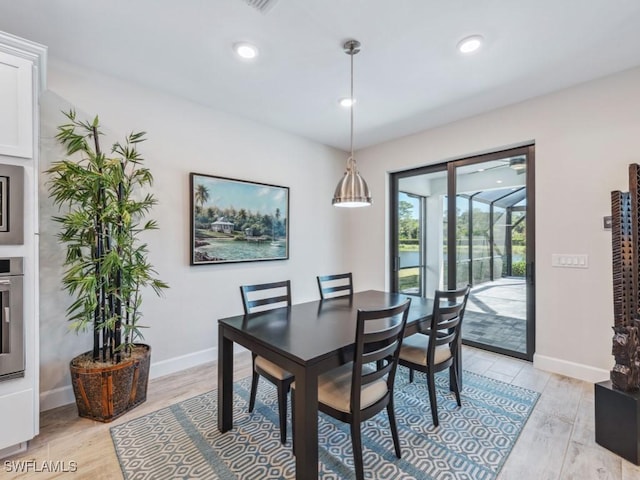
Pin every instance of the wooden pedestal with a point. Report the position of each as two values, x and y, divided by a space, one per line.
618 421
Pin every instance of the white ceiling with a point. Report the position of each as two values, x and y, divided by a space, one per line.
408 76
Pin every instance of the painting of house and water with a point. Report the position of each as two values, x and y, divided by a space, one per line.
237 221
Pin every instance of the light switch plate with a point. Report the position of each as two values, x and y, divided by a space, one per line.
569 260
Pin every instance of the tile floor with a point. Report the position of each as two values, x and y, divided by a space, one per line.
558 441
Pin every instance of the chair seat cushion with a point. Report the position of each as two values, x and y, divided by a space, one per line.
334 389
414 350
272 369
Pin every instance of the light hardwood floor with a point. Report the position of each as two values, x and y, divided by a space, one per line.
557 443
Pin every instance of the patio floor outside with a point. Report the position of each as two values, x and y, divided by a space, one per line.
496 314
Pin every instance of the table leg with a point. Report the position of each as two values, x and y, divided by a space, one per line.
225 381
306 425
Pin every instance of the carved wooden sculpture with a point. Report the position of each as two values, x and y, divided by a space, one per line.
625 212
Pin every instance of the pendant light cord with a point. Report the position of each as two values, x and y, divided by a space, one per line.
351 159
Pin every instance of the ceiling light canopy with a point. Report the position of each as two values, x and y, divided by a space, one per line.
245 50
352 190
470 44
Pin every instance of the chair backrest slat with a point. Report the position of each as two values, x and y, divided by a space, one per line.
270 296
335 285
446 321
378 339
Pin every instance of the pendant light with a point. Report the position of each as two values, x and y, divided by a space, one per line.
352 190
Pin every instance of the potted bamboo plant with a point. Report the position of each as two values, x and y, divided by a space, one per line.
102 210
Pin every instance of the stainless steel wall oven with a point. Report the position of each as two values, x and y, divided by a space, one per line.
12 328
11 205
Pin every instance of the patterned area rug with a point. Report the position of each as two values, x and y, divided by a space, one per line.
472 442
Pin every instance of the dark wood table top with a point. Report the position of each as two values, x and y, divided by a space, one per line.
307 332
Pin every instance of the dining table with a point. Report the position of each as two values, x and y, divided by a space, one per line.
307 339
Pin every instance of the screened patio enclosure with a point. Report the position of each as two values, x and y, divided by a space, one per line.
491 257
491 235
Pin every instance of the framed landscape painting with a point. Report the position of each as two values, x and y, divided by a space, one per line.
237 220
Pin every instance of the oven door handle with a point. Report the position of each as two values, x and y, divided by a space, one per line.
5 285
5 345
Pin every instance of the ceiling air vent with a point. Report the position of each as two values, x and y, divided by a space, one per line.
263 6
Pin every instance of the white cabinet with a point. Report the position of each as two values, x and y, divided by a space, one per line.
16 106
22 74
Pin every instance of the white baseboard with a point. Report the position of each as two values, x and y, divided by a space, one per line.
176 364
13 450
56 398
64 395
570 369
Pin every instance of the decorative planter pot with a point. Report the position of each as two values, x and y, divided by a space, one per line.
103 393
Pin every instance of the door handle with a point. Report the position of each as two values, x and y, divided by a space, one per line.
5 344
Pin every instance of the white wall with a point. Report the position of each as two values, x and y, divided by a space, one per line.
585 139
182 138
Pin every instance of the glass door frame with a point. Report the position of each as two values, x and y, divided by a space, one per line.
422 251
450 167
394 243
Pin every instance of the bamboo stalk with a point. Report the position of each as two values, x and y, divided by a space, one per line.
117 331
100 294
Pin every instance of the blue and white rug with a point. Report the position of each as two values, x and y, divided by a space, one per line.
472 442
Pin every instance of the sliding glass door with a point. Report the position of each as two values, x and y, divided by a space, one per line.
420 203
470 221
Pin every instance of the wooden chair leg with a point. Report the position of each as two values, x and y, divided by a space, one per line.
282 410
293 422
456 383
394 428
254 390
356 442
457 365
431 383
411 375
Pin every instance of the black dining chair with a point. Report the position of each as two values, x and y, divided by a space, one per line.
361 388
337 285
439 348
258 298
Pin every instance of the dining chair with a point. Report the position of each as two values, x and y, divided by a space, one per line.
439 348
337 285
259 298
361 388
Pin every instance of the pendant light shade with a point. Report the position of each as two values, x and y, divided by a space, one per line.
352 190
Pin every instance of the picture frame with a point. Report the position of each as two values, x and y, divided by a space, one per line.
236 220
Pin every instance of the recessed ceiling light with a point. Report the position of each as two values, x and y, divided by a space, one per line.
470 44
245 50
347 102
